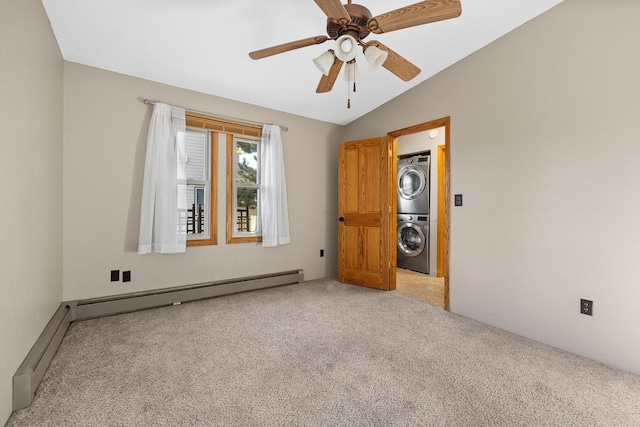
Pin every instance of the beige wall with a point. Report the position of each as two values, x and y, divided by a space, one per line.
31 191
544 148
104 149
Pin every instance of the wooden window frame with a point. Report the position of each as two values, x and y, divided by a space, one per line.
199 122
231 218
230 128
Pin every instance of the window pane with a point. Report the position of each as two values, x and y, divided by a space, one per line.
193 218
197 210
194 187
196 143
247 210
246 162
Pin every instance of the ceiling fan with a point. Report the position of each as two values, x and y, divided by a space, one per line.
350 24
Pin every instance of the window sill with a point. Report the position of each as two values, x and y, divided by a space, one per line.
248 239
202 242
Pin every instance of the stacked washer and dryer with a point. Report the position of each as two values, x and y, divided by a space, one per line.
413 212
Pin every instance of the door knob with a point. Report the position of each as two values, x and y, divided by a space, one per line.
341 219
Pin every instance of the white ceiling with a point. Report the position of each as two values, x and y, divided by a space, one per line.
203 45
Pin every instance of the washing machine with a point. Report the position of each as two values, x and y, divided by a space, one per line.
413 242
412 184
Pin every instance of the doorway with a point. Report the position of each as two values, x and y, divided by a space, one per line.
433 287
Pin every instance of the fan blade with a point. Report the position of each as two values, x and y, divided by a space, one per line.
396 63
420 13
263 53
335 11
327 82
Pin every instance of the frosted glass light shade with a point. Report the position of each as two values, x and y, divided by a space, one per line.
351 73
375 56
324 62
346 48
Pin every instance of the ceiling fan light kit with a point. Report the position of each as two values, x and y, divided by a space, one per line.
375 56
325 61
350 24
351 73
346 48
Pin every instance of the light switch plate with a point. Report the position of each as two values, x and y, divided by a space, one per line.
457 200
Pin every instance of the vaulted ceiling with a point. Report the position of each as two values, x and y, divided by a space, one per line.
203 45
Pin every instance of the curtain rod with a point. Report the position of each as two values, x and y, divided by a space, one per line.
217 116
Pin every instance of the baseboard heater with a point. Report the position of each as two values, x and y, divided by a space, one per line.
30 373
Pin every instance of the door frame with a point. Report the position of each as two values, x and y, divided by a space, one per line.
442 156
443 122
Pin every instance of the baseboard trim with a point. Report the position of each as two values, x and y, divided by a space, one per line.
30 373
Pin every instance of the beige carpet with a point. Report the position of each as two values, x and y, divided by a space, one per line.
422 286
319 353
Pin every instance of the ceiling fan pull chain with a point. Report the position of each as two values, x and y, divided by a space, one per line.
348 86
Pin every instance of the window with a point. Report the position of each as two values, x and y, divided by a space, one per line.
194 181
197 188
243 189
197 172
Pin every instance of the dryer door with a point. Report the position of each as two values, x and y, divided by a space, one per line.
411 240
411 185
411 182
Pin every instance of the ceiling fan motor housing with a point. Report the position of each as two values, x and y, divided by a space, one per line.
357 28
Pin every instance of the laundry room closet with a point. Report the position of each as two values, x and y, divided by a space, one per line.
417 215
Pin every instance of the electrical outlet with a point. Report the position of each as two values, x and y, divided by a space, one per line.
586 307
126 276
321 253
115 275
457 200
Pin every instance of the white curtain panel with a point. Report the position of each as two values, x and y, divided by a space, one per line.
159 211
273 189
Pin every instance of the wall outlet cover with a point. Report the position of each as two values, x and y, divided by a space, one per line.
586 307
115 275
457 200
126 276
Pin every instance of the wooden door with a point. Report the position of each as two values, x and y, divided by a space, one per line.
364 213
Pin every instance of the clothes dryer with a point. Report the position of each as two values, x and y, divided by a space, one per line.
413 242
412 184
